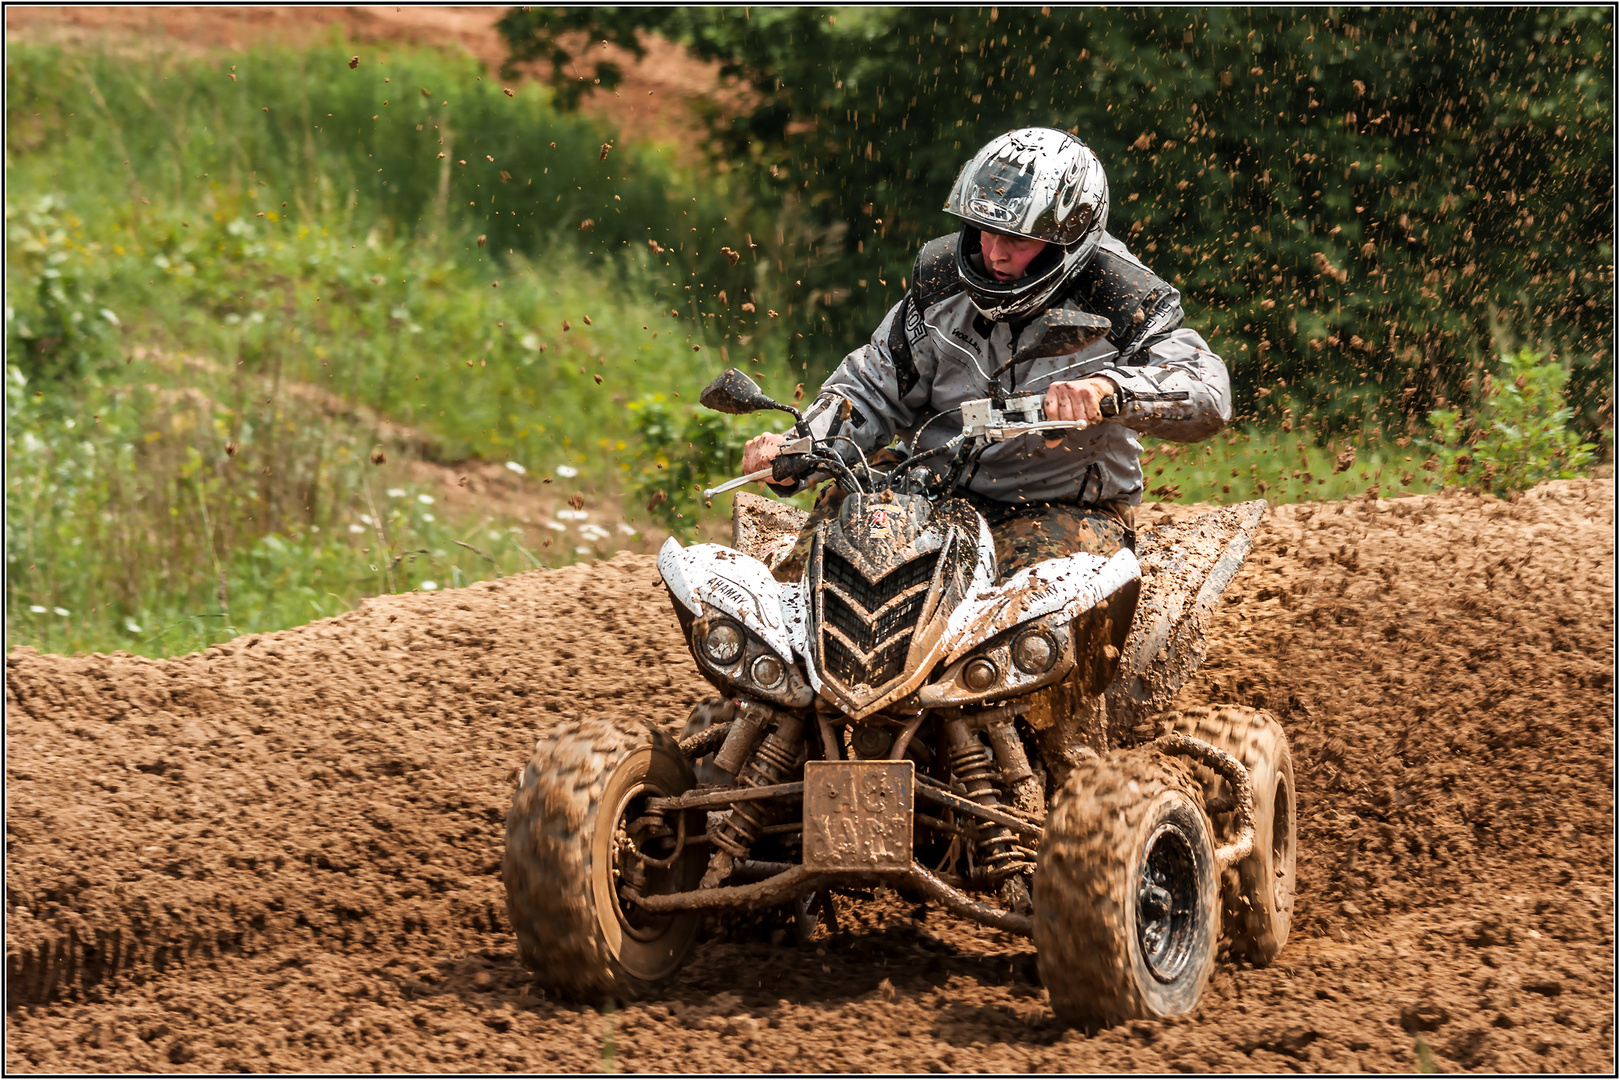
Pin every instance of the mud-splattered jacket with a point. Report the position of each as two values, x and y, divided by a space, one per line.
934 351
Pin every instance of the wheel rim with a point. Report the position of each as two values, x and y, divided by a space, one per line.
635 834
1167 903
1282 848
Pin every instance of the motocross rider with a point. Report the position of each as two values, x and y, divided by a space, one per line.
1034 210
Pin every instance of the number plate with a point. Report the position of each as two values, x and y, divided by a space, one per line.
858 815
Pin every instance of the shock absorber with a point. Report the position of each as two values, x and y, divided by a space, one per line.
975 770
771 764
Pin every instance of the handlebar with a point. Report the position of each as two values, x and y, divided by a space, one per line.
984 421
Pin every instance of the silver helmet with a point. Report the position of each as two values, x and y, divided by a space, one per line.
1035 182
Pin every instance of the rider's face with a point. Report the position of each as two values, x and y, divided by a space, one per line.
1007 257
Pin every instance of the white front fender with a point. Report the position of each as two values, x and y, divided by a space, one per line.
740 586
1064 587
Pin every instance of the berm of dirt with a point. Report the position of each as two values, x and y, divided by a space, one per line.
284 853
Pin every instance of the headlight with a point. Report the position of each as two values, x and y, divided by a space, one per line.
1033 652
723 643
768 671
979 674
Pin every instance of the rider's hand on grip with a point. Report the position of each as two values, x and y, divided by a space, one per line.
791 468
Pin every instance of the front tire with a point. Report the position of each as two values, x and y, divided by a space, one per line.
1259 903
577 830
1125 893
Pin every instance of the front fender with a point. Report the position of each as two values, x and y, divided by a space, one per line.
740 586
1063 587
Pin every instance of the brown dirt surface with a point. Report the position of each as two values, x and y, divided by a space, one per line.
652 102
283 853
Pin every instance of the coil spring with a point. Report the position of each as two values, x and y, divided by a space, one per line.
975 771
770 764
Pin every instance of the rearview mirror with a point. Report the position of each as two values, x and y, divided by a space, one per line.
1060 331
734 393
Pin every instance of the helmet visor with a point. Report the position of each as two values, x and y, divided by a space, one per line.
998 195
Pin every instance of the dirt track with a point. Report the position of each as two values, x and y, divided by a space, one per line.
284 853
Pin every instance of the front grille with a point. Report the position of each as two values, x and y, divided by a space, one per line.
875 618
848 669
836 570
866 634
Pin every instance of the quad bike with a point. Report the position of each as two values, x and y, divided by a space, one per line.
897 718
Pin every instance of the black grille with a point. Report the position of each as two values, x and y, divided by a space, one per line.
864 635
839 571
855 622
844 664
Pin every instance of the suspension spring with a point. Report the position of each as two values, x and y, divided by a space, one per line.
974 769
771 763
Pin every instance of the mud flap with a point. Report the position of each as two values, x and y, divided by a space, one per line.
1185 569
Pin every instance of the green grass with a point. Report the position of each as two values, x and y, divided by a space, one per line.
1251 463
213 332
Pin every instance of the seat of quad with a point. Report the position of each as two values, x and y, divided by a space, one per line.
1185 569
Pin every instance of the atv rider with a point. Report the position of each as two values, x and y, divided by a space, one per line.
1034 210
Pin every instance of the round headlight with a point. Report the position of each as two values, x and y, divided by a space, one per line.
979 674
768 671
1033 653
723 643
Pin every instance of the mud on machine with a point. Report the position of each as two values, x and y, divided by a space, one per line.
896 718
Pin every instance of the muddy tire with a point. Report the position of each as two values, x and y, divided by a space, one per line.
1258 893
1126 892
574 815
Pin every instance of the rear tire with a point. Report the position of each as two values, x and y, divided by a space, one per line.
569 833
1125 893
1258 895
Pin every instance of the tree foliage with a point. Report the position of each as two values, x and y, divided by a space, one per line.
1352 201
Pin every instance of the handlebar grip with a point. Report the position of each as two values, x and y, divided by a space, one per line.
791 468
1109 405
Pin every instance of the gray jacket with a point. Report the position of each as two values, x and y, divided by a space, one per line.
934 351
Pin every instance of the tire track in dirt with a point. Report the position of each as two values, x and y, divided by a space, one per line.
283 853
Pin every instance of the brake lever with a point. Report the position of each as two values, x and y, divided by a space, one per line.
759 474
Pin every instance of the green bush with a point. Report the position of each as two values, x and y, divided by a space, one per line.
1518 433
681 451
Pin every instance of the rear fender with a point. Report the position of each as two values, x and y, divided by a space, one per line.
1185 568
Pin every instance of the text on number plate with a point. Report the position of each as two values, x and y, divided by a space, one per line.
858 815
